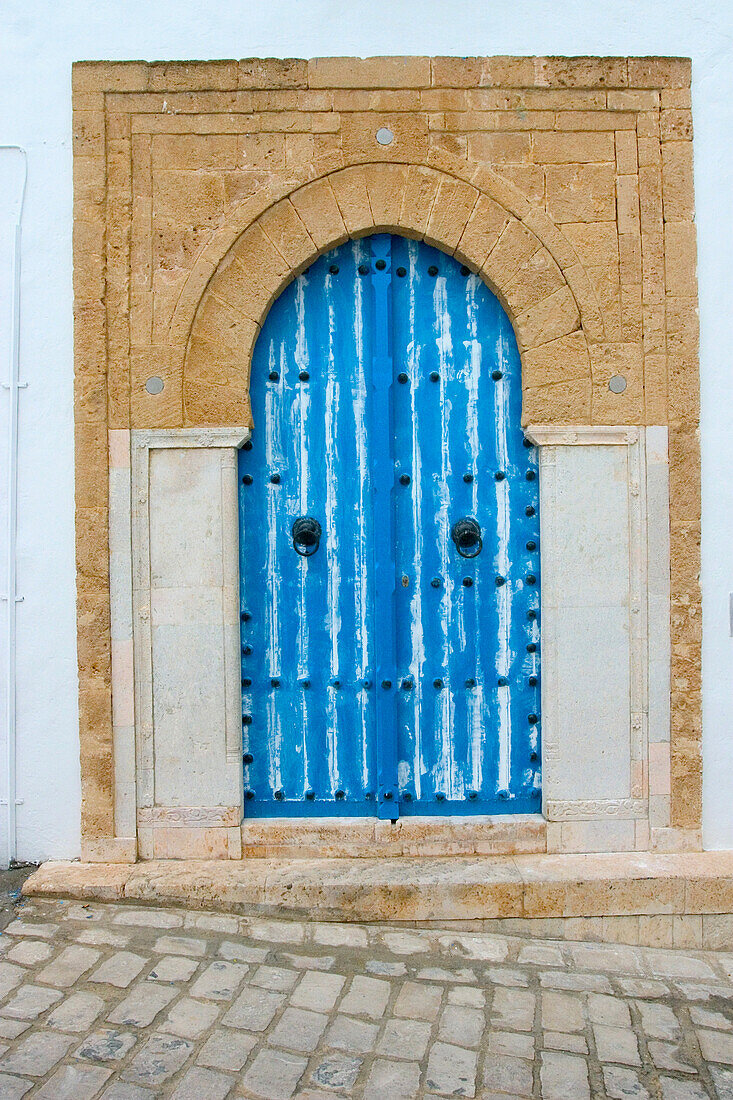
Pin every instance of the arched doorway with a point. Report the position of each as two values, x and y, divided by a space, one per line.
389 546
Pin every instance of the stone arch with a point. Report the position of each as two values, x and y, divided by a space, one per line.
484 223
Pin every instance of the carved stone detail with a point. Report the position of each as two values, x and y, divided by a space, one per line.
589 809
190 816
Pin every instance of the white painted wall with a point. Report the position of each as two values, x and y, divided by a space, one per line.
39 39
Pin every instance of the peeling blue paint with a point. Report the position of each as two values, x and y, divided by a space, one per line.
387 674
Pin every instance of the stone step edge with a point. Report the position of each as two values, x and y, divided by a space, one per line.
414 890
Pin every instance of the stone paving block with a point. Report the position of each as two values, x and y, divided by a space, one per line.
669 1056
564 1077
254 1009
366 997
76 1013
242 952
121 969
30 952
623 1084
503 1073
203 1084
276 931
404 1039
69 966
616 1044
723 1081
122 1090
40 930
227 1050
148 918
35 1055
213 922
317 991
220 981
650 988
74 1083
299 1029
10 977
11 1029
474 998
190 1018
562 1012
440 974
275 978
345 1033
104 937
715 1046
658 1021
337 1071
142 1004
173 968
417 1001
672 964
274 1074
576 983
30 1001
311 962
510 1042
12 1088
541 954
405 943
461 1025
673 1089
397 1080
507 976
340 935
106 1045
600 957
180 945
557 1040
609 1010
513 1009
451 1070
707 1017
475 945
159 1059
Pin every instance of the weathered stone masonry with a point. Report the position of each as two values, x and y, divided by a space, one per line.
201 188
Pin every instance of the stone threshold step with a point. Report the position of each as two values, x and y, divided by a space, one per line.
415 890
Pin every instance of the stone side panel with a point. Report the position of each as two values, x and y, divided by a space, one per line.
566 181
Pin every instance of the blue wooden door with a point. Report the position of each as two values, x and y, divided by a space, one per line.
389 546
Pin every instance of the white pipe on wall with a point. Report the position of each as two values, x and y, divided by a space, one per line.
13 386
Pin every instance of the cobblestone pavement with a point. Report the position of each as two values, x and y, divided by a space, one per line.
127 1004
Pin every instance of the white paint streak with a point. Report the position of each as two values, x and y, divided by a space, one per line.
332 540
503 531
417 636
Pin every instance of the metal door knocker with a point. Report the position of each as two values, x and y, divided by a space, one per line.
466 534
306 534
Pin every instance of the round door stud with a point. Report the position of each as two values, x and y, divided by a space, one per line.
304 376
468 582
531 545
380 265
404 479
274 376
466 535
470 682
386 684
279 794
497 375
439 796
248 758
503 681
432 271
435 582
247 479
363 269
402 378
401 271
333 269
249 795
246 682
437 684
407 685
468 478
434 376
500 581
274 683
310 794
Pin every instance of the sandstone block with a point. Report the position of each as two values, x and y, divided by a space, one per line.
574 148
581 72
659 72
420 191
369 72
676 124
680 252
317 208
272 72
557 361
677 185
451 210
501 148
385 186
581 193
515 246
626 154
554 317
